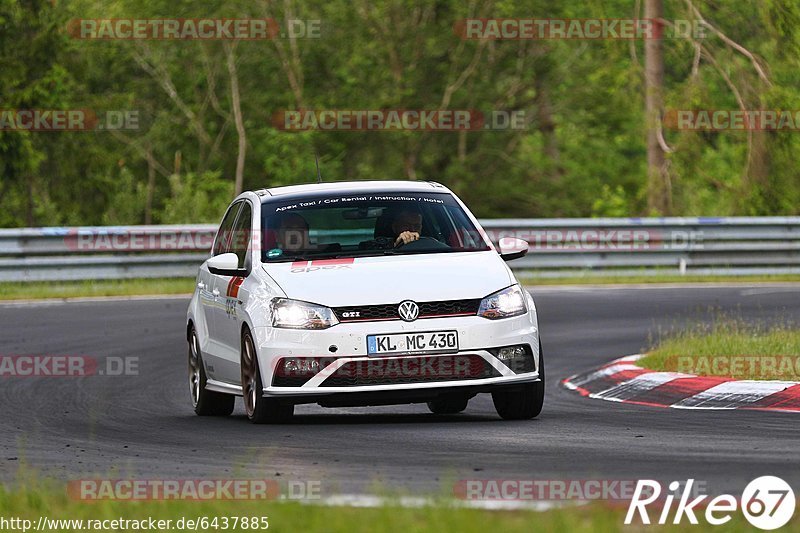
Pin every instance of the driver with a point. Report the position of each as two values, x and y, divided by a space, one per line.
406 226
292 232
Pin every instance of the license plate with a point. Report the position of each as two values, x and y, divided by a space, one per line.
407 343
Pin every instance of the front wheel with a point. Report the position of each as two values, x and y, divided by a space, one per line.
260 410
205 402
522 403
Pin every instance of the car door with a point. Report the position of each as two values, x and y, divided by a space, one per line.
227 314
210 296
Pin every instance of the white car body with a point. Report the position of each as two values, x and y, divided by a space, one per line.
223 307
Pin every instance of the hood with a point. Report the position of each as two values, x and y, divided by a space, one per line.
392 279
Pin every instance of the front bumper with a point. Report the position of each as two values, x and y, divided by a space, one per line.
476 336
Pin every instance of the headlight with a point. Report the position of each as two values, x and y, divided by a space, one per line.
504 304
295 314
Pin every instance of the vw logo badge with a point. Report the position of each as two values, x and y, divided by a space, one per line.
409 311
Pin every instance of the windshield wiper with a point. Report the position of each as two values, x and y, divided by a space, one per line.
377 252
309 257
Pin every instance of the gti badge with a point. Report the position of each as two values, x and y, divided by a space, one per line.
409 311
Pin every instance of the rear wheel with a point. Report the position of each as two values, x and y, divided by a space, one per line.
448 405
260 410
205 402
522 403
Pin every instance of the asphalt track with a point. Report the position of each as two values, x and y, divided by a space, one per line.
143 425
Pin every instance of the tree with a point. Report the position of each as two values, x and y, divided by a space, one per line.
659 195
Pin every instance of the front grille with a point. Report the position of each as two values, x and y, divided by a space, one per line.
358 313
447 308
409 370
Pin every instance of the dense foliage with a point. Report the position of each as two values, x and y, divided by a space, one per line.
582 153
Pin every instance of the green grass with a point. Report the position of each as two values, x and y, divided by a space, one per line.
75 289
139 287
31 502
589 279
730 348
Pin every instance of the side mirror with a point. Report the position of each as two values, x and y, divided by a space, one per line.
226 265
512 248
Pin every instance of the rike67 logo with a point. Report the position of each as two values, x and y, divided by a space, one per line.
767 502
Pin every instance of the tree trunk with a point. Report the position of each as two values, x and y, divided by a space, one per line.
409 162
546 122
237 117
151 185
30 217
658 190
756 183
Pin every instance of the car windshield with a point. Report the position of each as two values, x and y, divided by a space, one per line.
366 224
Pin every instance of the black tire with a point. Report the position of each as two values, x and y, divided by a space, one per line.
205 402
259 410
448 405
522 403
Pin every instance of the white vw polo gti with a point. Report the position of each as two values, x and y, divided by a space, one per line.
356 294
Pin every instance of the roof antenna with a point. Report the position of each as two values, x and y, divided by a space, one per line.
316 160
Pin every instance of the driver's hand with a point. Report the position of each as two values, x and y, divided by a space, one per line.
405 238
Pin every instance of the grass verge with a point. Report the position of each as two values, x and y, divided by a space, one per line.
111 287
730 348
168 286
33 503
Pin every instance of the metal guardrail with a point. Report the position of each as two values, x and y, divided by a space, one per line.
558 247
725 246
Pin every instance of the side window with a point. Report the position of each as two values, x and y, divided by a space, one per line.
221 243
241 233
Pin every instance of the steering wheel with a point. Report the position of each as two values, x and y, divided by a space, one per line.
423 243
